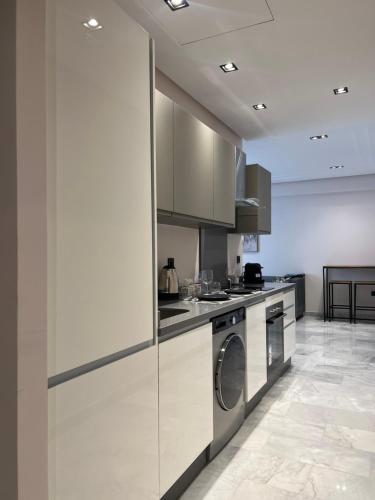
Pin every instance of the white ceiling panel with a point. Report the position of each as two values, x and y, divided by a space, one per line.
291 64
208 18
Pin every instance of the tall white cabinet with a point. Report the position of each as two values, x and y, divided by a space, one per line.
103 443
100 194
103 422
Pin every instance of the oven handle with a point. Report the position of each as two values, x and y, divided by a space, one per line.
276 318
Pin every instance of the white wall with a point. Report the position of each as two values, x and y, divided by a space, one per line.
315 223
182 243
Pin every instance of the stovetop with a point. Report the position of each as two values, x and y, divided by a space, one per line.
249 289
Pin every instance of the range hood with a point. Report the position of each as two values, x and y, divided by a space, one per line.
253 197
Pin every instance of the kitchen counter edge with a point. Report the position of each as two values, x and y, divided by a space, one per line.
201 314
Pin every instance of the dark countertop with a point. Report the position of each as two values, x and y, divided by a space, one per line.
200 313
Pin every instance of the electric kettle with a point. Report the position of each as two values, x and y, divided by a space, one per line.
168 281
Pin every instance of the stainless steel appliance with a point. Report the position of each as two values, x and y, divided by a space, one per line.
229 360
275 339
299 280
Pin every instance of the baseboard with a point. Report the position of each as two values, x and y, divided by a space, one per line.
187 477
314 315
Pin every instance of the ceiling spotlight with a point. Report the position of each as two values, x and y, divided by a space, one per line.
318 137
92 24
228 67
341 90
259 106
335 167
177 4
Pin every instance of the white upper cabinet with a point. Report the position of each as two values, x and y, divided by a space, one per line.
103 433
193 166
99 183
224 180
164 151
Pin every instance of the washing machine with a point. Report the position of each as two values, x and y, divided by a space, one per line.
229 364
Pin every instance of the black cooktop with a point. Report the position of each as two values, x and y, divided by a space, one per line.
248 289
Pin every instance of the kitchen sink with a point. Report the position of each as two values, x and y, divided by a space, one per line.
169 312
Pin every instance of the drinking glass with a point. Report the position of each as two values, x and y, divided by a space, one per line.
215 287
206 278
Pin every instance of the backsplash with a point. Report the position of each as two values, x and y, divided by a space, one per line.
214 251
235 248
181 243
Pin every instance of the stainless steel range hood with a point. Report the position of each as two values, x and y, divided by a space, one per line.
253 197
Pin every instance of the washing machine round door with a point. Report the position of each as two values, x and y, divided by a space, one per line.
230 372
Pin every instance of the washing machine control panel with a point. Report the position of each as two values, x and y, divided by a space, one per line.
228 320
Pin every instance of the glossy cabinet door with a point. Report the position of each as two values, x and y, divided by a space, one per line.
224 180
289 340
289 299
256 349
289 324
185 402
103 433
164 151
99 184
193 166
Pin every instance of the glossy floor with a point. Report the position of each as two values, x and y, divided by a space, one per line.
313 435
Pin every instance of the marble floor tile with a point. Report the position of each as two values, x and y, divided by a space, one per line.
249 490
313 434
326 484
291 476
351 438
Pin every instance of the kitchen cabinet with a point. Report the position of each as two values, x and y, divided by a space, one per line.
252 219
289 340
289 324
185 402
164 151
100 211
193 166
289 298
256 349
224 170
103 432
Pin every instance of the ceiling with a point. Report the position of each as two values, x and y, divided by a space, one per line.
291 54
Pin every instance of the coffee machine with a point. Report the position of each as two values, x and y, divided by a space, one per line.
253 275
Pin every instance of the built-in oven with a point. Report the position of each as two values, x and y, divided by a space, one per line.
275 338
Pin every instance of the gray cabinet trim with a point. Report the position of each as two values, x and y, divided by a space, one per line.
95 365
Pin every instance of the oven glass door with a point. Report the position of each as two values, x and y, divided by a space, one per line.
275 342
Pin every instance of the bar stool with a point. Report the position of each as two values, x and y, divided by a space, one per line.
359 307
332 306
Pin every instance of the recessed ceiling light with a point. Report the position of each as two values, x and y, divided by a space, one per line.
228 67
92 24
259 106
177 4
341 90
317 137
335 167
